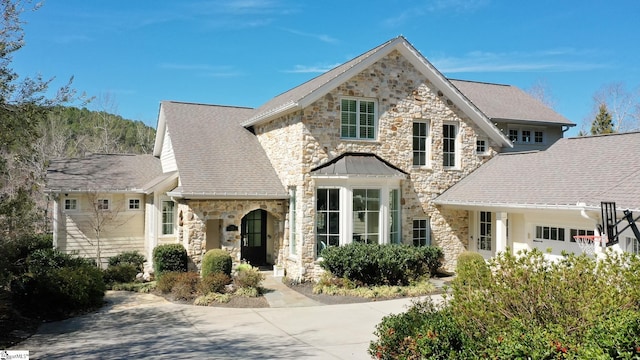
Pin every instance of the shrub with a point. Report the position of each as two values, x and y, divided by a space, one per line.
215 282
166 282
373 264
186 285
528 307
472 269
66 283
128 257
121 273
248 278
169 257
216 261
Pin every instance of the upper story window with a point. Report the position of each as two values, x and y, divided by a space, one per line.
358 119
513 135
103 204
539 137
71 204
420 143
134 204
449 137
482 147
526 136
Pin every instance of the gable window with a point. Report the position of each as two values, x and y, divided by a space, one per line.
168 217
420 143
327 218
449 135
102 204
358 119
484 240
71 204
481 147
513 135
550 233
292 221
421 232
366 215
134 204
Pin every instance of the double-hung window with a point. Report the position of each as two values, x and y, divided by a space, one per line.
420 143
449 136
358 119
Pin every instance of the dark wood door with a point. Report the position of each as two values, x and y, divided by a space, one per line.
254 238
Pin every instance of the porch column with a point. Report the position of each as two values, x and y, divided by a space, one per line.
501 231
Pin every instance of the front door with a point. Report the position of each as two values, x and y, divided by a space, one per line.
254 238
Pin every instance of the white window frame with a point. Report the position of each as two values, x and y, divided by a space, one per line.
427 144
485 146
540 229
100 204
427 231
139 202
73 201
358 100
346 188
485 232
534 134
456 146
162 223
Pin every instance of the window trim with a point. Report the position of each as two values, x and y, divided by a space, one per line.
550 232
140 206
76 203
428 236
375 118
427 144
456 144
173 220
533 132
485 141
99 204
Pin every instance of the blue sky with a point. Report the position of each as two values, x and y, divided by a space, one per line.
244 52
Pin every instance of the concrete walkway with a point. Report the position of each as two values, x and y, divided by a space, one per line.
146 326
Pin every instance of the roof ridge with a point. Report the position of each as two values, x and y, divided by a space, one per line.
203 104
480 82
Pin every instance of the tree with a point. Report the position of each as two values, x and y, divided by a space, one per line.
623 105
23 104
103 216
603 123
540 91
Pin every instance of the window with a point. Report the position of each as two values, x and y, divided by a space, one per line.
449 134
632 245
539 137
421 232
394 212
71 204
526 136
134 204
366 215
550 233
168 217
420 143
579 232
102 204
484 239
481 147
292 221
513 135
358 119
327 218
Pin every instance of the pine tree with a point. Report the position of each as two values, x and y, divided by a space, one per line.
603 123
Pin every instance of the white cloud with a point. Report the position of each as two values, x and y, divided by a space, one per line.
322 37
302 69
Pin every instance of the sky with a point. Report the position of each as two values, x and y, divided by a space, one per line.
131 55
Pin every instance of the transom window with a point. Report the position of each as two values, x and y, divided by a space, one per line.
449 134
134 204
421 232
71 204
420 143
358 119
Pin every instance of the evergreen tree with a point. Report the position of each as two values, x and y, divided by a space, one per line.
603 123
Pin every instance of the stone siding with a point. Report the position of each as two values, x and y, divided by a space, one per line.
306 139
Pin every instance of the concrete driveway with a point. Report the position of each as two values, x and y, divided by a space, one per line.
145 326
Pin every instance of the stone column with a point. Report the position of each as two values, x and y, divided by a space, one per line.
501 231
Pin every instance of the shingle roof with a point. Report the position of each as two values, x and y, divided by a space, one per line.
102 172
508 102
358 164
585 170
216 156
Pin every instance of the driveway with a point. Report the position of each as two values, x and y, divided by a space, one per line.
138 326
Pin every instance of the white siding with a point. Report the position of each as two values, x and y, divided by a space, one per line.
167 157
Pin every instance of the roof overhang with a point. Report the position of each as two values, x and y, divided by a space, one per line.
531 123
178 194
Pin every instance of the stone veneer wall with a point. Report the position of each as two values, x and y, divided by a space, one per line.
193 216
305 139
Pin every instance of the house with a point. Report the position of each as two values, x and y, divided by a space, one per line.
542 199
361 153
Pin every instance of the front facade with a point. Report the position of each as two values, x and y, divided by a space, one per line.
358 154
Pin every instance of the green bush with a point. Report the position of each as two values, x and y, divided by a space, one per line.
13 261
169 257
216 261
373 264
65 283
215 282
248 278
128 257
528 307
186 285
121 273
472 269
166 282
